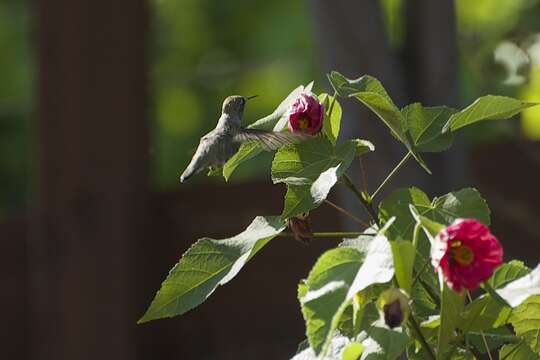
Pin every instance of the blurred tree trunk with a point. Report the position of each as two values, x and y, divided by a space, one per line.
352 40
92 154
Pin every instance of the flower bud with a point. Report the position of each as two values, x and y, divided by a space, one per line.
393 305
301 228
306 115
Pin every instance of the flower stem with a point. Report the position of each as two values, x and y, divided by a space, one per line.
368 205
421 337
392 173
345 212
324 234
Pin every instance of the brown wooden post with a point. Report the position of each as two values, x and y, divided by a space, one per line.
92 157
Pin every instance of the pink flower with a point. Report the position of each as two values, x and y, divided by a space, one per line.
306 115
467 253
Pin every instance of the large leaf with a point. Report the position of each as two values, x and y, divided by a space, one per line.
337 350
519 351
310 169
372 94
336 278
451 307
508 272
302 164
207 264
519 290
274 121
526 322
381 343
403 254
332 117
324 297
484 313
425 124
465 203
488 107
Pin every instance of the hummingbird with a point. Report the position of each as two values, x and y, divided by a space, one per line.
220 144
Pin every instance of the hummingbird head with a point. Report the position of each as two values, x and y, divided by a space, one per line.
234 105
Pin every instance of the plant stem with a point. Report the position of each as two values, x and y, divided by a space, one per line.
367 204
481 332
392 173
421 337
364 174
345 212
323 234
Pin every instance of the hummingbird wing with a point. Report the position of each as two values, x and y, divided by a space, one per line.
269 140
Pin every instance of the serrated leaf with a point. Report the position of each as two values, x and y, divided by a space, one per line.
425 124
207 264
381 343
326 296
508 272
273 121
310 169
302 164
465 203
526 322
520 351
488 107
372 94
519 290
336 348
484 313
332 116
451 307
336 278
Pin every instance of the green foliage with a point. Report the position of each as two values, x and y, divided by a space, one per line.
526 322
519 351
487 108
207 264
338 297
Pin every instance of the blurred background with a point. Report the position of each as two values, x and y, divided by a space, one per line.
102 104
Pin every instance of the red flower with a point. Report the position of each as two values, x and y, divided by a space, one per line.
306 115
467 253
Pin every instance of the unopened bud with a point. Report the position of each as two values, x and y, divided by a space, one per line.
301 228
393 305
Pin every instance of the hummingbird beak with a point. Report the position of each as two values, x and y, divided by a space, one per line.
251 97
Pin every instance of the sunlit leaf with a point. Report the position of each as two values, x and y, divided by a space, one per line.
519 351
425 124
526 322
207 264
451 307
488 107
508 272
519 290
332 116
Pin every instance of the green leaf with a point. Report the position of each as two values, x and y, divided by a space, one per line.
520 351
451 307
246 152
404 254
526 322
372 94
274 121
494 339
519 290
508 272
488 107
207 264
381 343
302 164
332 117
325 296
336 349
484 313
425 124
352 351
465 203
310 169
336 278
